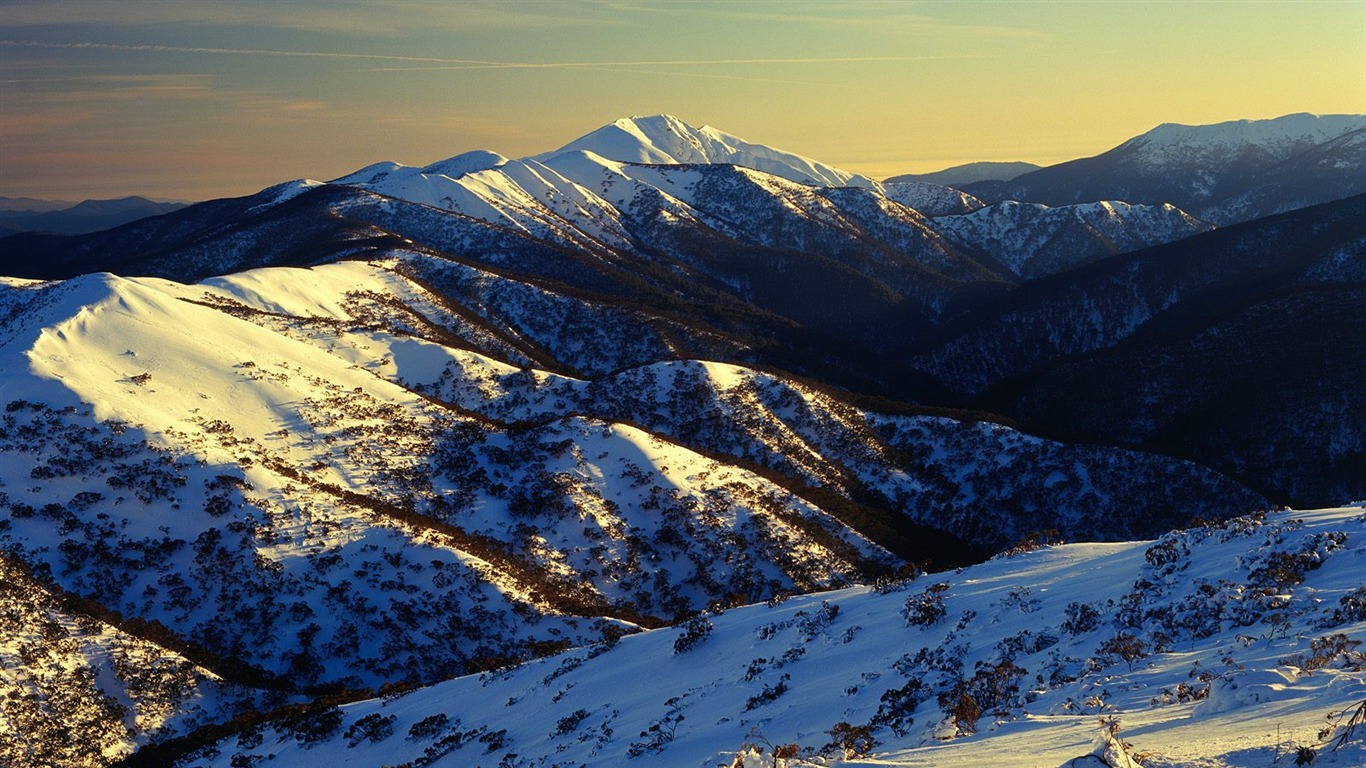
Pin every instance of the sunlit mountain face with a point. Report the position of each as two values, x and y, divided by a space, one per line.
669 445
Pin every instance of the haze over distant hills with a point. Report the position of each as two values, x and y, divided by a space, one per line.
62 218
33 205
968 173
338 441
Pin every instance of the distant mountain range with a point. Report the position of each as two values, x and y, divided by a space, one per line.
33 205
337 440
1225 173
959 175
790 273
29 215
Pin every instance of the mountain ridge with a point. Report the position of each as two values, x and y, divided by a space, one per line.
85 216
1201 169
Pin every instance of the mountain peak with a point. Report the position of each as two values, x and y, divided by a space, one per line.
668 140
652 139
466 162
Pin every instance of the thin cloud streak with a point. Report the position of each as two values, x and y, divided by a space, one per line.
236 52
892 19
370 18
673 63
458 64
706 75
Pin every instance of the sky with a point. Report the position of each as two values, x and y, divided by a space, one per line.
194 100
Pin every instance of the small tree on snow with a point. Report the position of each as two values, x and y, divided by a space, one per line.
1125 646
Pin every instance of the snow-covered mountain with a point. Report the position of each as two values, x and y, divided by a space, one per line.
355 475
667 140
854 286
1328 171
1234 644
339 440
1171 145
1226 173
931 199
866 252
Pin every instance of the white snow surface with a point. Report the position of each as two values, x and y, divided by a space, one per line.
244 375
1230 622
268 378
287 191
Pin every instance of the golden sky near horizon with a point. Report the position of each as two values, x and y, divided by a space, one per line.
193 100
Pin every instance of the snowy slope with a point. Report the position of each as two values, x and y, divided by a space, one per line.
1034 240
548 196
336 477
1221 645
67 671
522 194
1328 171
658 185
294 458
931 199
986 484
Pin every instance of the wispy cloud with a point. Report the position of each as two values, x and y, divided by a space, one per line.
890 17
114 80
389 18
672 62
442 63
676 67
53 103
235 51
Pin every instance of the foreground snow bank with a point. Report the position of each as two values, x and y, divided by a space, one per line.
1219 645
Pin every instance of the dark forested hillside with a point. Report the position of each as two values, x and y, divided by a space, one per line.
1194 347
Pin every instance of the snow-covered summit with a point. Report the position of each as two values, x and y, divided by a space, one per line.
1278 136
452 168
466 162
1225 173
1238 146
287 191
597 191
667 140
